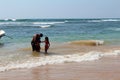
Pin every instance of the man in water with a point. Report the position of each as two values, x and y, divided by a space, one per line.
36 40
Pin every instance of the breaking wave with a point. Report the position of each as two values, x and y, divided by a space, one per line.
105 20
45 26
88 42
56 59
47 23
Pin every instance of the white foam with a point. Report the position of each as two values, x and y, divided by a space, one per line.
98 42
45 23
88 42
105 20
56 59
10 19
11 23
13 19
45 26
111 20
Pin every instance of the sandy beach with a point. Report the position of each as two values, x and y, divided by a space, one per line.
103 69
106 68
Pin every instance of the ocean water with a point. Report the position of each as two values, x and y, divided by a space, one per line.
59 31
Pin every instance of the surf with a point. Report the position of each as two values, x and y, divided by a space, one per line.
88 42
57 59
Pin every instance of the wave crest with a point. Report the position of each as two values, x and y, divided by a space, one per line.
45 26
105 20
55 59
46 23
88 42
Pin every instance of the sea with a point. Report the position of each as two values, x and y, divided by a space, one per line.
15 52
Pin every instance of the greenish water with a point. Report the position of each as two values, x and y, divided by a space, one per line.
61 30
58 30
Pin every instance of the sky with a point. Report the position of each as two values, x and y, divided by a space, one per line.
59 9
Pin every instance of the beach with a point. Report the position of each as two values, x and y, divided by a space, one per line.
107 67
59 40
95 70
80 49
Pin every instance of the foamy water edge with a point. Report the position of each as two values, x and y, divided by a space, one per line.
57 59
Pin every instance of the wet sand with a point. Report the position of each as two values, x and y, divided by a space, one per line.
103 69
107 68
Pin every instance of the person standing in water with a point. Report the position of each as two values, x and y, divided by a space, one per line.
47 44
35 43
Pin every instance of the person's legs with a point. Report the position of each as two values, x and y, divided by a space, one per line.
33 46
38 48
46 48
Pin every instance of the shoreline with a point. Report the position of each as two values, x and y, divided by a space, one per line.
71 48
93 70
70 70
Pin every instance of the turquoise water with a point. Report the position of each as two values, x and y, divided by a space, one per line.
58 30
61 30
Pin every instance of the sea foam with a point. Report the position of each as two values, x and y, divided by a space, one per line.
88 42
45 26
45 23
105 20
57 59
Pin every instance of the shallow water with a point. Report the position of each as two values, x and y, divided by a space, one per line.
102 69
16 53
23 57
